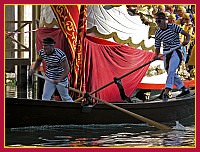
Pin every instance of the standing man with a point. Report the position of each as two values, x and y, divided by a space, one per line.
169 34
57 69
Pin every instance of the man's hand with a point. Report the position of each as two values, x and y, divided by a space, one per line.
155 57
31 72
157 51
185 43
55 81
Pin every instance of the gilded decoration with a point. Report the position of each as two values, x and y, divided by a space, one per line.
69 27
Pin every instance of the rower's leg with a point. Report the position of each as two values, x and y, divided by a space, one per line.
48 90
64 92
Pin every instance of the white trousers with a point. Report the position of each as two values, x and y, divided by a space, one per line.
49 89
172 77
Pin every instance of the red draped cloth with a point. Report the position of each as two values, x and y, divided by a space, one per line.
106 60
59 38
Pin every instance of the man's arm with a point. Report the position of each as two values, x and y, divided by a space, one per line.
187 39
157 51
66 68
36 65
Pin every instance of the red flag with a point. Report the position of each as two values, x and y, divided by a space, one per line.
67 17
78 67
72 20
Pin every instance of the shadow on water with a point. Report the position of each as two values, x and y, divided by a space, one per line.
111 135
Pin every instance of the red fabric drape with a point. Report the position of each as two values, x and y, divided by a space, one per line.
58 36
104 62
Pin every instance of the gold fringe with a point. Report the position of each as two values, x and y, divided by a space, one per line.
118 40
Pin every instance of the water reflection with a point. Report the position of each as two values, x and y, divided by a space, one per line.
124 135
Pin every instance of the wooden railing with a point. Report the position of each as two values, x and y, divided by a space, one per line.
17 53
19 46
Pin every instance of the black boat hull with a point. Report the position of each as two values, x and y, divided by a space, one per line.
28 112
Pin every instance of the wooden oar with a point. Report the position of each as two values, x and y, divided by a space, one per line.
106 85
141 118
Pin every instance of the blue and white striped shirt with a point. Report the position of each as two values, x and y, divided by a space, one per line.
169 37
54 69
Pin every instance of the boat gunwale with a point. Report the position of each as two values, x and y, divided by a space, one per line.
151 104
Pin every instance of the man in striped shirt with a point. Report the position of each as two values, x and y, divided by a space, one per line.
57 69
168 34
